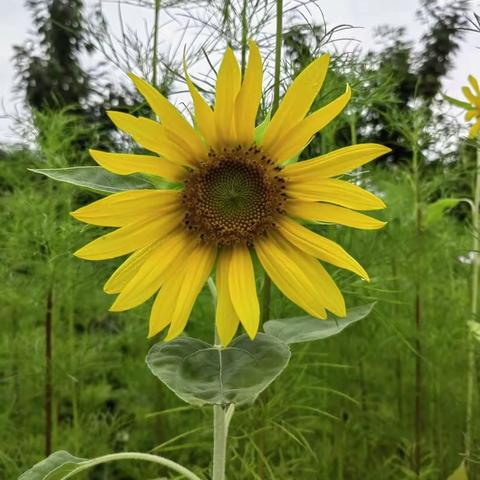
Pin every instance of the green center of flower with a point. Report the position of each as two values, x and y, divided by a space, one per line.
234 197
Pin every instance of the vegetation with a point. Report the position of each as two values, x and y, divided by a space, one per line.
385 400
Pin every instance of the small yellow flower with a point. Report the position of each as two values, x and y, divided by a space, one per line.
473 96
235 198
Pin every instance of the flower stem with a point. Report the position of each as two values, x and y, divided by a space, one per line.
155 43
278 56
474 307
135 456
244 35
221 414
220 430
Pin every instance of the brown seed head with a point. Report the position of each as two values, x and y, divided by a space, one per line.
234 197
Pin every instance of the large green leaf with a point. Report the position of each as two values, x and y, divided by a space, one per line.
62 466
96 178
307 329
55 467
202 374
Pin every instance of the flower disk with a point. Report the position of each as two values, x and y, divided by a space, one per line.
233 198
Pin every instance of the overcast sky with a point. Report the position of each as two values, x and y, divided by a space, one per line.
15 23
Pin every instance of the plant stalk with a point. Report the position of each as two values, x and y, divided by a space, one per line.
48 373
220 432
474 308
221 417
418 314
155 43
244 35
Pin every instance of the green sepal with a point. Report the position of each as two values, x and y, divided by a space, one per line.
307 329
96 179
200 373
261 129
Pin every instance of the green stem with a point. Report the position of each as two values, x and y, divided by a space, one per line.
474 307
155 43
418 311
221 414
278 56
244 35
220 432
135 456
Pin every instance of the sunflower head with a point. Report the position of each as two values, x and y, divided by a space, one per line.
238 197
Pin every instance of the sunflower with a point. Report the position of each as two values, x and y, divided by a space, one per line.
233 197
472 94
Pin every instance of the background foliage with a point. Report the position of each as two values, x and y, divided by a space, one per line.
345 408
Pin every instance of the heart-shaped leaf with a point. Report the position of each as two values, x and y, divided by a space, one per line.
62 465
307 329
96 178
54 467
201 374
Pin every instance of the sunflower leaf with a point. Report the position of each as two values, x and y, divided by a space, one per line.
96 179
55 467
201 374
307 329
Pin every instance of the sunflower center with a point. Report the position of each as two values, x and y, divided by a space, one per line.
234 197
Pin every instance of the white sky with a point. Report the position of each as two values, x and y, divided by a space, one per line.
15 23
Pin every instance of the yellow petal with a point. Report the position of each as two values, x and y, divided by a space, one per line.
179 292
470 96
227 320
169 116
298 137
123 208
335 191
128 163
243 291
327 213
474 130
204 117
297 100
151 275
130 238
319 247
470 114
127 270
293 272
170 145
152 136
474 84
228 85
248 99
334 163
158 320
